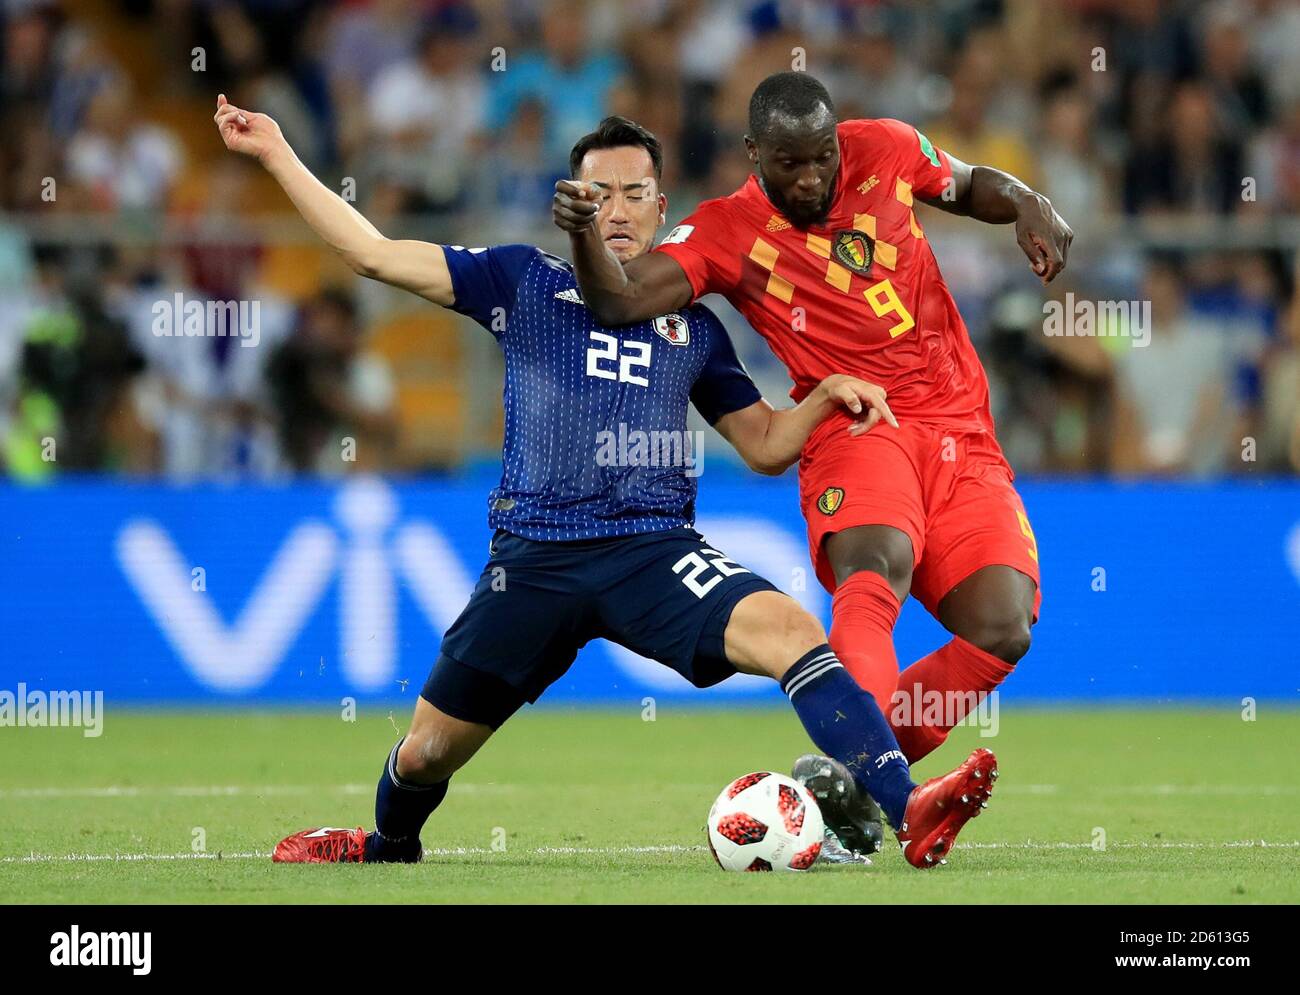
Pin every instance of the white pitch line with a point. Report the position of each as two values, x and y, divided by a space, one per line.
459 851
225 790
461 787
113 858
1144 845
1150 789
470 851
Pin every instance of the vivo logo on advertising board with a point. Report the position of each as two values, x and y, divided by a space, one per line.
243 655
371 553
308 593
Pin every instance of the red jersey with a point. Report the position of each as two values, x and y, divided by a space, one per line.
860 293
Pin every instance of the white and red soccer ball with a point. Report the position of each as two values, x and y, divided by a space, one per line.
765 822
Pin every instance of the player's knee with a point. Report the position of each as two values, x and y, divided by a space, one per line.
797 632
768 632
1005 637
791 635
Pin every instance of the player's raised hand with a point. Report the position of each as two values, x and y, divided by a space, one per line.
575 205
860 398
246 132
1043 236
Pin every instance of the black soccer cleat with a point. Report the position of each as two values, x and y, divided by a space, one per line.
835 852
849 812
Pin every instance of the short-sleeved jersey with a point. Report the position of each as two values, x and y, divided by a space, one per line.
596 440
860 293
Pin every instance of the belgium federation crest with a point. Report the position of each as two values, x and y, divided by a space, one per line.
830 501
854 250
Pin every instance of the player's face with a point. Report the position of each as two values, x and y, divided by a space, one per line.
797 162
631 206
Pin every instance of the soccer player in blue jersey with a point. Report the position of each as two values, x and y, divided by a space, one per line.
591 547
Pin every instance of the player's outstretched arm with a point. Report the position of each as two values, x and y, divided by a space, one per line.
419 267
770 441
617 294
998 198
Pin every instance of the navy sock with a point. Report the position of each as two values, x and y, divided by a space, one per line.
401 810
846 723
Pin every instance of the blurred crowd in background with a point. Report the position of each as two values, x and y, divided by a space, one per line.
1166 132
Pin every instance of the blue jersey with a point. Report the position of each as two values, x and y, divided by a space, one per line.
596 443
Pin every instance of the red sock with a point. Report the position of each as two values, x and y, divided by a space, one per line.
863 613
957 666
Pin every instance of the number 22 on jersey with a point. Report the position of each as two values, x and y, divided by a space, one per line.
611 360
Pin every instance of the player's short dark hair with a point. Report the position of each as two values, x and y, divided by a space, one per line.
615 133
788 94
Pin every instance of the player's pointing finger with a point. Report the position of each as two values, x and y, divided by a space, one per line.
573 189
885 413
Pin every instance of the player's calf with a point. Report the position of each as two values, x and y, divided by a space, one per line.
989 614
437 745
415 780
873 572
770 634
846 724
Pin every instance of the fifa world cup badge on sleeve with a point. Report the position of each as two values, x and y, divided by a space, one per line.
679 234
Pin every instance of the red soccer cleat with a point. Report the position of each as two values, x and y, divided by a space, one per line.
322 846
938 809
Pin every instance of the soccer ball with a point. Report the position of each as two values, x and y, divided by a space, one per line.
765 822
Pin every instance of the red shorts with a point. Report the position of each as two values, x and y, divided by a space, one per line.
950 491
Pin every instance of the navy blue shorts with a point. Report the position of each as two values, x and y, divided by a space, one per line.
665 595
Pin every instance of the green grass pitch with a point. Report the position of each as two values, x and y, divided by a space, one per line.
601 806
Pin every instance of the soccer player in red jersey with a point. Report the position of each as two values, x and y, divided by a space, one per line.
821 250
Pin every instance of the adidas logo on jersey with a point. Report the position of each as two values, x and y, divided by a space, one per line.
867 184
777 223
571 295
